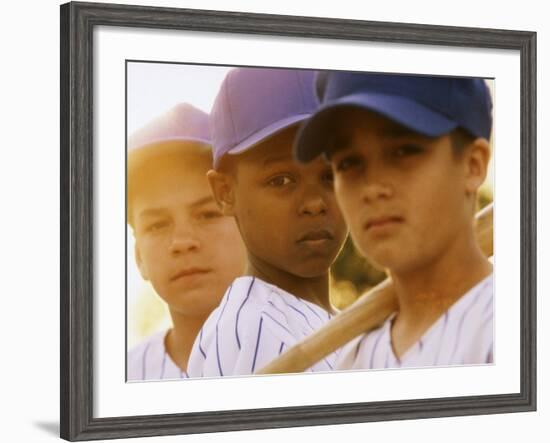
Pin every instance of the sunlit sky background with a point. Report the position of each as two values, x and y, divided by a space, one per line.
154 88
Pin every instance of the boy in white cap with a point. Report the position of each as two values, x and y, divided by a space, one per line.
288 218
409 154
181 237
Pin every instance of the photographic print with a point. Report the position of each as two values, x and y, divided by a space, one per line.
272 221
229 291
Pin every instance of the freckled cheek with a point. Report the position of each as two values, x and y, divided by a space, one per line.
154 249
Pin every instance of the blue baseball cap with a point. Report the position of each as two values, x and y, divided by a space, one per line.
429 105
256 103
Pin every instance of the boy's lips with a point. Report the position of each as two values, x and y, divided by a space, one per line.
382 221
316 235
188 272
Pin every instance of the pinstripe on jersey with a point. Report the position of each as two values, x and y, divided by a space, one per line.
461 336
253 324
150 361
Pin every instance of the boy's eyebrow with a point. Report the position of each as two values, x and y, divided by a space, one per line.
277 159
151 212
202 201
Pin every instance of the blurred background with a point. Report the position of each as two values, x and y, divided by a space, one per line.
153 88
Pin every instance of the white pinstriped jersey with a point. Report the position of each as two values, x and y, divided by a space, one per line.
150 361
463 335
253 324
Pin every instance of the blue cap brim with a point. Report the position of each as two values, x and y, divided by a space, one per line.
312 137
264 134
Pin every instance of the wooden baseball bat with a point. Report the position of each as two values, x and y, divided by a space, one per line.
367 313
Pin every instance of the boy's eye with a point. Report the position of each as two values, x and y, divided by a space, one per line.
157 226
406 150
349 162
327 176
209 215
279 181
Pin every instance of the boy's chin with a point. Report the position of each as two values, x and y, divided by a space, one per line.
311 270
381 258
197 301
199 310
392 263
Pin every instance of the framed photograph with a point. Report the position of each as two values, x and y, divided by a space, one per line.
124 66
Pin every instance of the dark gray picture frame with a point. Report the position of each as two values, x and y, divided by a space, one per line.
77 272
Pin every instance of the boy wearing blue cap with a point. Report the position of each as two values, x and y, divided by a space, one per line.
288 218
180 235
409 154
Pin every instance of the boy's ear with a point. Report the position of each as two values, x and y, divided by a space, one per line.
477 156
139 261
222 185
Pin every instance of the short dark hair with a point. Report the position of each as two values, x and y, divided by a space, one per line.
460 138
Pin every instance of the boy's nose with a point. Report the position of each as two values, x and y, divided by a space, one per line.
374 190
313 205
377 182
183 242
